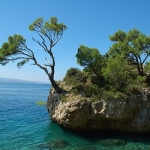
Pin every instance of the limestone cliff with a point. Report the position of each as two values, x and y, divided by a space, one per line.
129 115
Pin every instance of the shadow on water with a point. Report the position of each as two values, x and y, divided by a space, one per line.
93 137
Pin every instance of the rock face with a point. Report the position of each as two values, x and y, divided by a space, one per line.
127 115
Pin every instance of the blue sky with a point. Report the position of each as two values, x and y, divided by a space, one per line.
89 22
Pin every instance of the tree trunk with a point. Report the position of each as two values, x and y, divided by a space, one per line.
54 84
139 69
142 70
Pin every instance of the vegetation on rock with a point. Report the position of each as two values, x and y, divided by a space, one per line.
123 70
134 46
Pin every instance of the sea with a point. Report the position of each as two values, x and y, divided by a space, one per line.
25 125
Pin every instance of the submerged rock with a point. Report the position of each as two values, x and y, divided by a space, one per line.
112 142
58 144
121 114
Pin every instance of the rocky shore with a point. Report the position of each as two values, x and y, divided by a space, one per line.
130 114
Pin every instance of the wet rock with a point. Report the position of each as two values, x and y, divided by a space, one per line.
112 142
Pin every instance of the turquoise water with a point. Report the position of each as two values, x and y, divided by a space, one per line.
26 126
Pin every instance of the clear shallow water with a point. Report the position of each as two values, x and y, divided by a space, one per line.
26 126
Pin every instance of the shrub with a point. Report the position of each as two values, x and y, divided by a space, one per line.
98 80
75 76
89 90
92 91
108 95
134 89
78 89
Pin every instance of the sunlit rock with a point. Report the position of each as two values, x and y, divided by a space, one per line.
130 114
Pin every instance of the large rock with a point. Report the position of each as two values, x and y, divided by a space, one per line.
123 114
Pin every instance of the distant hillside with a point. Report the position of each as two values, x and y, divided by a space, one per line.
20 81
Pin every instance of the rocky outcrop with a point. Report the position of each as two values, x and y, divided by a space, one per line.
122 114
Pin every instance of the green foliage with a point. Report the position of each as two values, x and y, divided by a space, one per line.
38 22
147 67
90 59
86 55
10 49
134 89
63 98
134 46
74 77
123 69
89 91
109 95
54 26
78 90
41 103
51 29
92 91
99 81
118 36
106 95
22 63
50 32
141 80
117 72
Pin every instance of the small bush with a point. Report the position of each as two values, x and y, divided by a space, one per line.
134 89
92 91
89 90
79 89
106 95
98 80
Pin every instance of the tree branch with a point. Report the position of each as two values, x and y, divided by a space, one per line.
45 49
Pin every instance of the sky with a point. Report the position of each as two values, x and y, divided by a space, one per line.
89 23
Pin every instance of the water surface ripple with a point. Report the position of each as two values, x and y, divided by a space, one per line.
26 126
